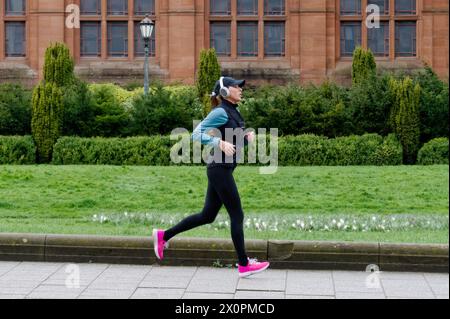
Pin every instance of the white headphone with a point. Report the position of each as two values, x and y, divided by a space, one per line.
224 91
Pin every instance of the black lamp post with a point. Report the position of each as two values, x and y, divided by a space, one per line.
146 32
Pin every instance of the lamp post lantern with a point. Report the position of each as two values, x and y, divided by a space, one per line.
146 26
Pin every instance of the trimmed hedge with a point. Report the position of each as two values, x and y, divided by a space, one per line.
152 150
303 150
368 149
17 150
434 152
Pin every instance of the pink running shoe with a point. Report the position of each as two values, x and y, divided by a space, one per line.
253 267
159 243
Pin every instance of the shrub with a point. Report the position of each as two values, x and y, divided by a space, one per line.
164 109
389 153
47 118
59 65
16 150
369 104
153 150
433 105
363 65
434 152
311 150
15 110
108 107
294 110
208 73
303 150
405 116
79 116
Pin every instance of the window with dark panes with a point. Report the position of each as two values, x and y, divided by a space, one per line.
350 37
15 39
139 47
382 4
405 38
220 7
90 39
247 38
15 7
247 7
118 39
274 7
118 7
405 7
350 7
220 38
378 39
90 7
143 7
274 39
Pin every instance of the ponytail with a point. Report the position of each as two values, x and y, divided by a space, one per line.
215 100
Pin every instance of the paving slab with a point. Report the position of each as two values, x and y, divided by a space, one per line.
99 281
158 293
407 288
195 295
258 295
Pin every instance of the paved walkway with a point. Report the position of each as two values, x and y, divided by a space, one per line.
62 280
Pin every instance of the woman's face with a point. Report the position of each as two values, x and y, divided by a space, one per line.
235 94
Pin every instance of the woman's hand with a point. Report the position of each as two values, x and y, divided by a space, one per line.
250 136
227 148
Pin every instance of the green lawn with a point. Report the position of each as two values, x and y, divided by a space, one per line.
64 199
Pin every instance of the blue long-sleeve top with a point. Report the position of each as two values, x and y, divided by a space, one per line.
216 118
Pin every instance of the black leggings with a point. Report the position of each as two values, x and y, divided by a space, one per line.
221 190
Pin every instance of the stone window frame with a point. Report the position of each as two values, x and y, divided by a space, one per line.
386 41
104 18
4 18
392 18
22 13
261 18
283 40
414 39
254 25
228 25
353 24
121 26
97 12
99 40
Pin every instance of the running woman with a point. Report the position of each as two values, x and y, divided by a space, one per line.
222 188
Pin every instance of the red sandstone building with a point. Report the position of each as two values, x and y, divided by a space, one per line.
261 40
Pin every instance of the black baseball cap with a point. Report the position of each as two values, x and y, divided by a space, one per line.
227 82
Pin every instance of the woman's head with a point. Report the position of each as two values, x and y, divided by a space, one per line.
229 89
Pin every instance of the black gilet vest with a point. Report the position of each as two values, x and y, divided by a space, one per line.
235 120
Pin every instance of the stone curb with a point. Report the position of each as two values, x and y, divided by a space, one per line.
220 252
